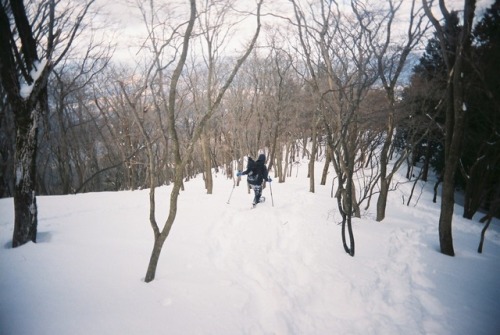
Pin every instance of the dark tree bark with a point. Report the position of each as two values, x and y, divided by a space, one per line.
7 149
207 162
491 213
328 161
389 73
161 236
26 107
483 233
27 98
312 159
455 46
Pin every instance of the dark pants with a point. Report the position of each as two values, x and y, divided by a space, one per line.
258 192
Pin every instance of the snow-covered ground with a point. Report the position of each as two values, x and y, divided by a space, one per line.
227 269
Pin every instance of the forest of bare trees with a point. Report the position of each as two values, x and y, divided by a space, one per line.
366 86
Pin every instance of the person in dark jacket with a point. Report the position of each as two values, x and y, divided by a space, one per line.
257 173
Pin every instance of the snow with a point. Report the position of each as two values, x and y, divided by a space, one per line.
36 72
19 175
227 269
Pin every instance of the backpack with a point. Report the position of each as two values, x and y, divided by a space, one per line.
253 174
250 163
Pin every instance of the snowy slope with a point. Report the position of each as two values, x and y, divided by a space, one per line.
226 269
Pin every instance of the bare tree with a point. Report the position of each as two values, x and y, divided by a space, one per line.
183 157
455 42
111 116
350 77
216 22
69 132
309 37
29 36
281 99
340 76
391 52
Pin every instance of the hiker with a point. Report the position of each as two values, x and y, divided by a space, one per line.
257 174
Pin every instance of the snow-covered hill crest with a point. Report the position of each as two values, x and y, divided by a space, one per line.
226 269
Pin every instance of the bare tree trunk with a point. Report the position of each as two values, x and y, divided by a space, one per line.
389 73
279 164
328 161
489 217
312 159
436 186
476 183
25 207
459 40
182 160
160 238
483 233
350 249
26 109
287 162
136 106
384 192
274 145
207 162
179 167
7 149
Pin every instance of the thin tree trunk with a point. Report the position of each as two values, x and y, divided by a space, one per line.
348 220
312 158
207 162
483 233
274 146
427 160
328 161
384 162
279 164
180 162
160 239
287 163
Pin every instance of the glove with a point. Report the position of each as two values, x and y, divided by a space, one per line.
238 174
269 179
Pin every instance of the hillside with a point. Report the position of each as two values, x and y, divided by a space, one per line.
227 269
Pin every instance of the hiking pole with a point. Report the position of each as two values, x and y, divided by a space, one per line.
271 189
230 195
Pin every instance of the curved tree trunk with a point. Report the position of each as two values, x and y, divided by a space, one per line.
160 239
182 160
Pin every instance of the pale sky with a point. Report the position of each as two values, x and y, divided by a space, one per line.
125 18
